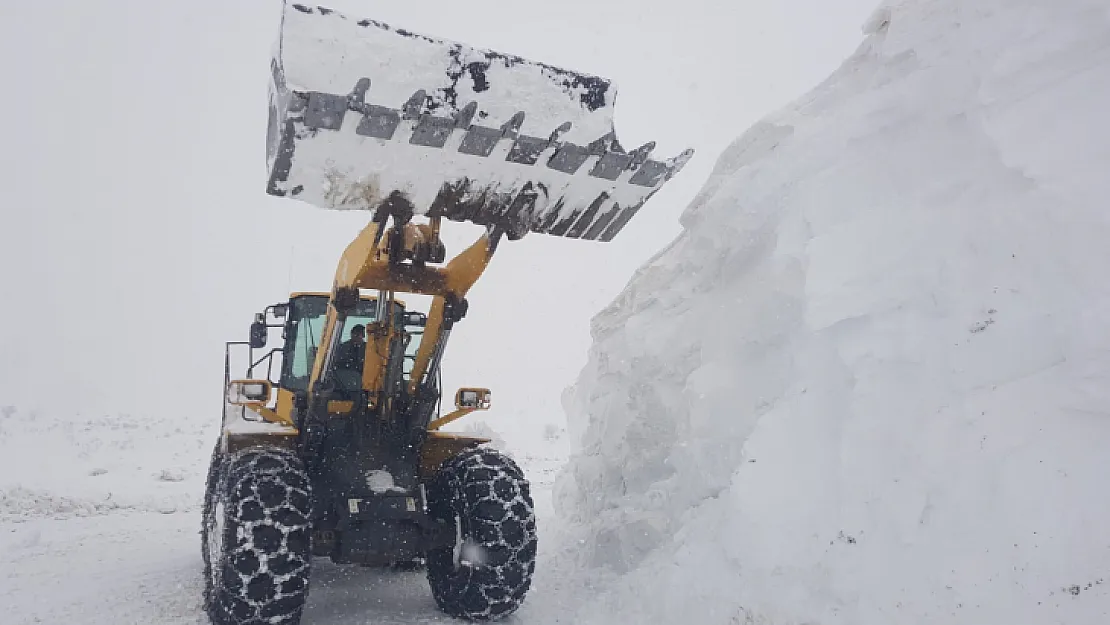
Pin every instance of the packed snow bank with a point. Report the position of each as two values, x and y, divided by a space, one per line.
870 382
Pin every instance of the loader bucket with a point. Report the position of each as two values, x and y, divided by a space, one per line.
365 116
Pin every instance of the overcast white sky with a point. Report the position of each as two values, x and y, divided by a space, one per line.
136 236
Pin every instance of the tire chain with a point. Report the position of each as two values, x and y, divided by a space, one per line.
264 579
490 494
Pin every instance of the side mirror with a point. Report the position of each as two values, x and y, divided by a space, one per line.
472 399
416 319
258 334
280 310
248 392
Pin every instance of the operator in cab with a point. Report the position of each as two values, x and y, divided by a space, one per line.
351 354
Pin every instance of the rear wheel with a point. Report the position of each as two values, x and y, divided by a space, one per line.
487 573
255 537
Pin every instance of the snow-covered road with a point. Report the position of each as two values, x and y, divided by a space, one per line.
120 567
867 385
143 568
99 526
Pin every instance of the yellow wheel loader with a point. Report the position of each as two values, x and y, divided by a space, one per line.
331 444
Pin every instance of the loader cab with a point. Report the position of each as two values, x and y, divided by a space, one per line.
304 327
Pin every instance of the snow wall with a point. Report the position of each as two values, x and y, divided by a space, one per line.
870 381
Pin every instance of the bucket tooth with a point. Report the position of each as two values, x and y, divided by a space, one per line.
357 99
601 145
466 115
641 154
652 173
568 158
325 111
526 150
649 174
414 106
480 141
432 131
611 165
511 128
378 121
563 129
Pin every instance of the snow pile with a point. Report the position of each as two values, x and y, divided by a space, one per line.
870 382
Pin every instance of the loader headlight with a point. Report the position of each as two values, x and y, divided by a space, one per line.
248 392
472 398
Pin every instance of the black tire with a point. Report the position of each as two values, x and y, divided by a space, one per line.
486 492
256 569
212 488
415 564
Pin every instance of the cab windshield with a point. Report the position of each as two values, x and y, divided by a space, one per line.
307 315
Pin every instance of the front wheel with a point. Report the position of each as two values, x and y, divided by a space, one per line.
256 538
487 573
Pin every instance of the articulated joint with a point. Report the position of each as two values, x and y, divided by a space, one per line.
418 243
